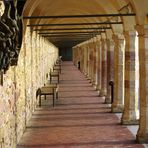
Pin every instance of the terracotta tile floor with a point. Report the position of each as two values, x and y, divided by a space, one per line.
79 120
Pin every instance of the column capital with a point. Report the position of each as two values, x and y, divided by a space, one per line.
103 36
111 44
142 30
117 37
129 33
103 40
108 42
98 37
98 40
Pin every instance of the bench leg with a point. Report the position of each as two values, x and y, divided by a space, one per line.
58 79
50 79
57 95
40 100
53 100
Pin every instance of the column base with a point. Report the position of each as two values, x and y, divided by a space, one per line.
85 74
117 109
142 138
100 95
108 100
88 78
103 92
129 117
92 81
130 122
95 86
98 88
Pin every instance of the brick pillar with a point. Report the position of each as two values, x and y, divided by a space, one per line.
131 90
103 91
110 68
99 66
142 135
117 105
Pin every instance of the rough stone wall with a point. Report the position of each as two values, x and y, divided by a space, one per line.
18 93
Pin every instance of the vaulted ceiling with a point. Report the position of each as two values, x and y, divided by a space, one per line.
68 22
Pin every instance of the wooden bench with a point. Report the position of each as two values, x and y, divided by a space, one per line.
50 89
56 87
54 74
59 60
57 67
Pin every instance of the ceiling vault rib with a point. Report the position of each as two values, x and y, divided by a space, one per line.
76 24
72 29
67 35
92 32
78 16
61 38
68 38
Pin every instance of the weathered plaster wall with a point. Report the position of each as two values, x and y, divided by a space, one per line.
18 93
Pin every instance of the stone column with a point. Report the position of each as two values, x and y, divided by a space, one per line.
81 53
85 60
73 55
75 52
96 66
87 63
110 68
103 91
131 90
142 135
94 63
99 66
117 105
79 57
